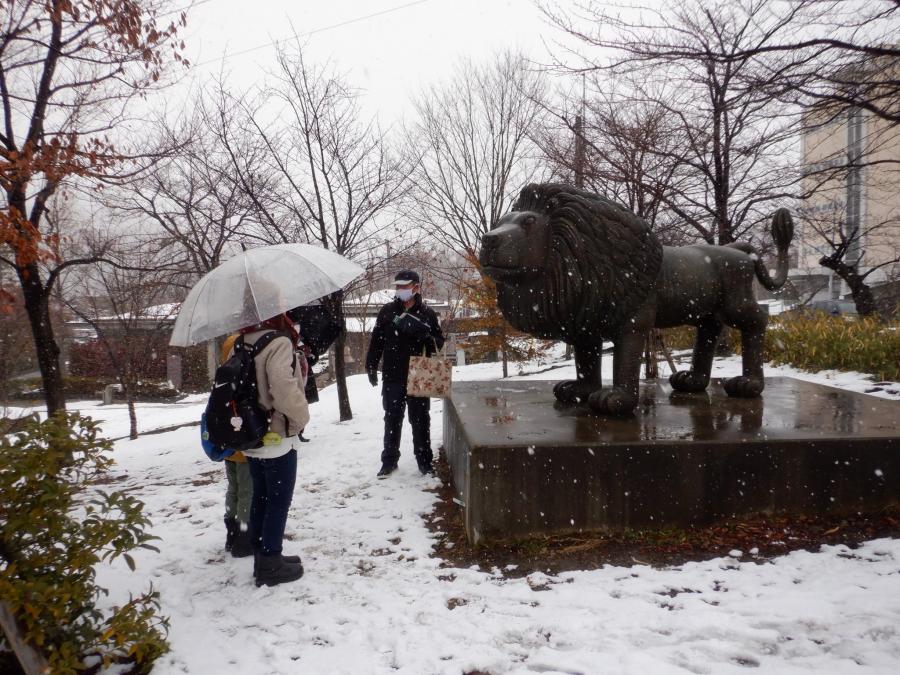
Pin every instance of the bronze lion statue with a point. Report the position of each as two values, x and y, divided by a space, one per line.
570 265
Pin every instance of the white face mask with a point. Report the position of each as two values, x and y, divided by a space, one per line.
405 294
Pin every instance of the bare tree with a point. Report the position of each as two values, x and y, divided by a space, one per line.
471 147
472 151
192 196
832 55
851 210
691 60
334 178
68 72
195 196
127 299
856 253
629 150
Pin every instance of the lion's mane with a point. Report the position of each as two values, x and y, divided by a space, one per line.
603 262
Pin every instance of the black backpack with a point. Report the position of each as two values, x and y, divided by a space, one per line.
234 418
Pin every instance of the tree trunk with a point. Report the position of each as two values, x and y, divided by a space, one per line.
651 368
30 658
661 345
340 373
336 306
47 351
505 359
859 289
128 394
864 300
212 360
132 416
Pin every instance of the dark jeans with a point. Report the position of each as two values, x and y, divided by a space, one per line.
395 401
273 489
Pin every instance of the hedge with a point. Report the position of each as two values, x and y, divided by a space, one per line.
92 388
817 341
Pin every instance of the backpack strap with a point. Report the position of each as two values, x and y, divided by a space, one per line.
264 341
238 344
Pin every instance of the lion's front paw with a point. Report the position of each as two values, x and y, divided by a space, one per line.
743 387
572 391
688 381
616 402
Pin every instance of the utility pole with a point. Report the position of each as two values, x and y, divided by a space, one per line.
853 189
579 162
579 152
579 141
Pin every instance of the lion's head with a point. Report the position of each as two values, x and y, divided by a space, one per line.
569 262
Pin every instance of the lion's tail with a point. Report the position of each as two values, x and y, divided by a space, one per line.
782 233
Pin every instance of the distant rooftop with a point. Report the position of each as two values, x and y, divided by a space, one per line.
382 297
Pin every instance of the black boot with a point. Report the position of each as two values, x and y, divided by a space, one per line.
387 468
272 570
285 558
241 546
231 527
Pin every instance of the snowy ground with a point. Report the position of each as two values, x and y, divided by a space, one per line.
374 600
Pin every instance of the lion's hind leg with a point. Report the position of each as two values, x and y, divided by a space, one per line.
697 378
753 331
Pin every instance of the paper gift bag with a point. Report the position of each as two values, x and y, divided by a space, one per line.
429 377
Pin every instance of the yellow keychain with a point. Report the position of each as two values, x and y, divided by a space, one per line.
271 438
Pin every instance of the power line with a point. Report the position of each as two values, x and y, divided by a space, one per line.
312 32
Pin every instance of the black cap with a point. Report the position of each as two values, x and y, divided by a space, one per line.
404 277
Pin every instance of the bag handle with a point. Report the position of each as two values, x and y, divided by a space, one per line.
425 347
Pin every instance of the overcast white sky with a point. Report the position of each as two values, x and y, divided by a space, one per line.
390 56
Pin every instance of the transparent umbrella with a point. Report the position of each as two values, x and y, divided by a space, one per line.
257 285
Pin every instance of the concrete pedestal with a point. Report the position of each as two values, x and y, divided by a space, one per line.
523 465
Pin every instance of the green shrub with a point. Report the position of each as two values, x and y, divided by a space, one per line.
55 526
153 391
683 337
680 337
817 341
80 387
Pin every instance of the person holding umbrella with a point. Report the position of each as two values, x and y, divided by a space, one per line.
405 327
280 380
251 294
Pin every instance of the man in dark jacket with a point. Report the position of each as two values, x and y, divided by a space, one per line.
404 328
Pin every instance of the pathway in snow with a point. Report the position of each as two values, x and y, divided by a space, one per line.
373 600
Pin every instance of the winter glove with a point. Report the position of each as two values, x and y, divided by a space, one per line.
410 325
373 377
311 391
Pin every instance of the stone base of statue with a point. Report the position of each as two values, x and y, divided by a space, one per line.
522 466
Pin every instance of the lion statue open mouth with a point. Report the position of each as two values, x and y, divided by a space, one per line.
570 265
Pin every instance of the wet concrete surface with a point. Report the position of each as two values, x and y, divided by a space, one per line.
524 465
